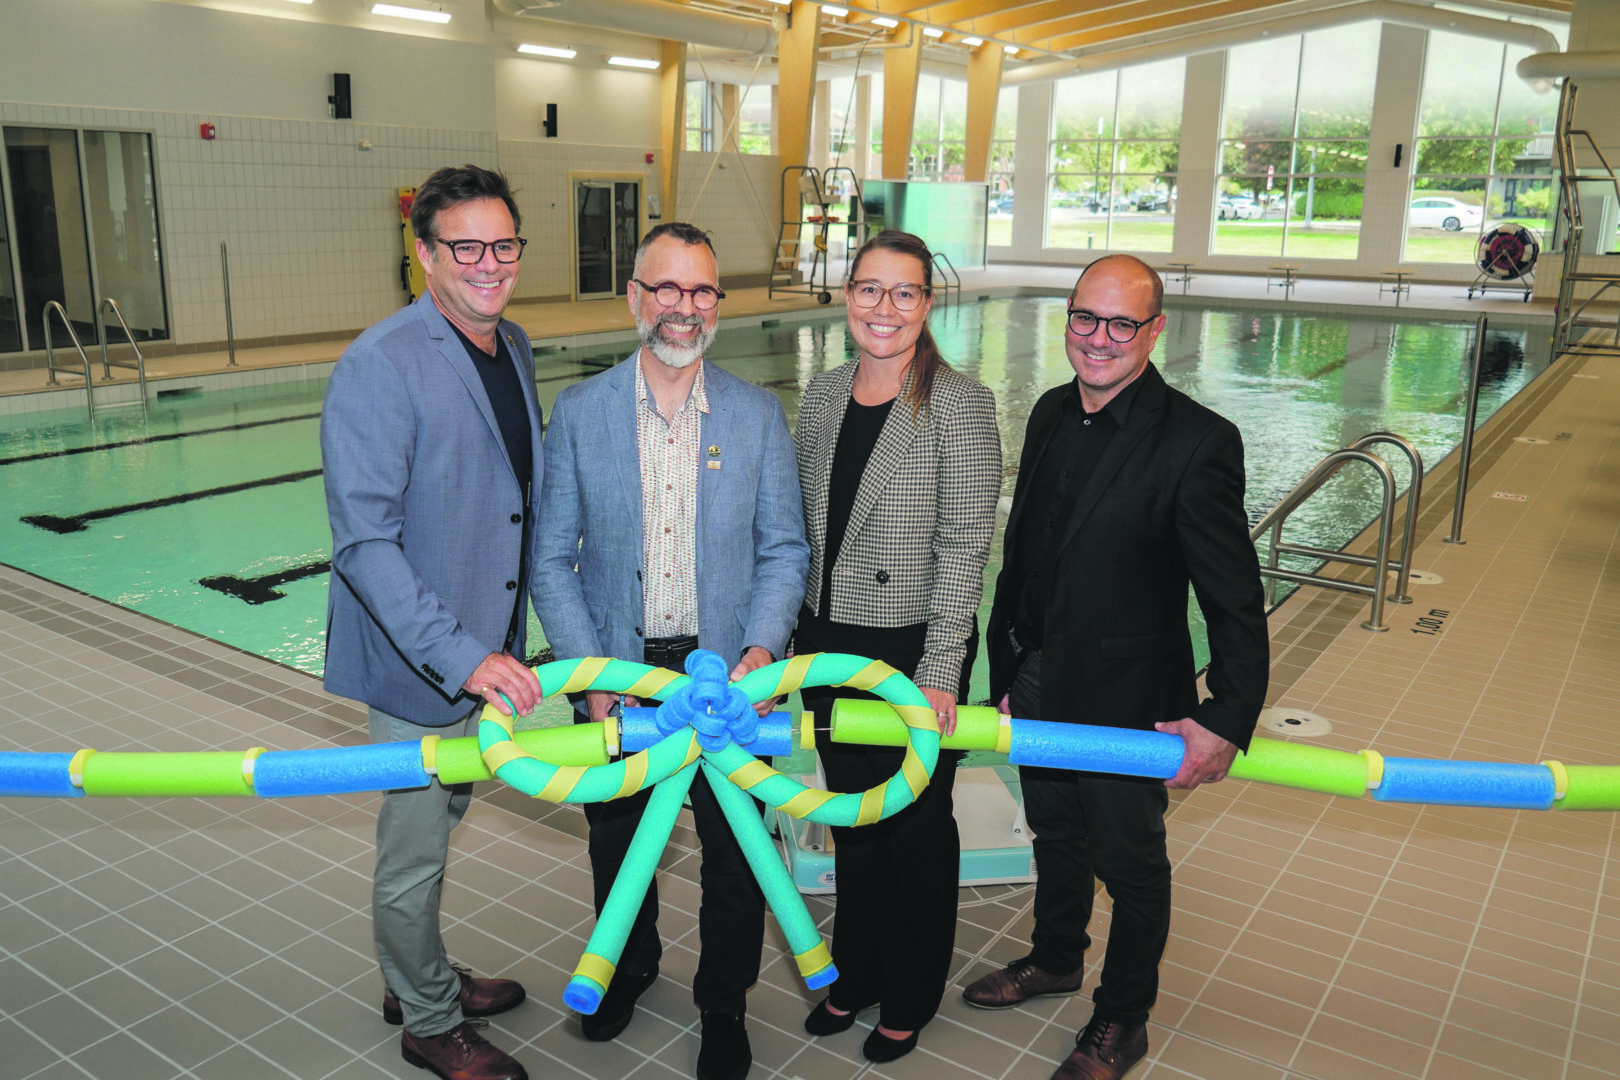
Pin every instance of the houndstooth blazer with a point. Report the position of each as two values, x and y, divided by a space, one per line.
919 531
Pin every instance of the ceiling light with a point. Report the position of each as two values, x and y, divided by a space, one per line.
973 42
835 12
419 14
633 62
300 1
547 50
1010 50
887 24
782 3
933 32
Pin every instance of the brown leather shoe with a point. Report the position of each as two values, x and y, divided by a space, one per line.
461 1054
1018 982
1105 1050
478 997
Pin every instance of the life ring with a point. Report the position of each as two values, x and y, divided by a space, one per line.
1507 252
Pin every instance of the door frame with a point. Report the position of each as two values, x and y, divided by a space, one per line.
577 176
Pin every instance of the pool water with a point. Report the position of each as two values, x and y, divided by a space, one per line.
224 487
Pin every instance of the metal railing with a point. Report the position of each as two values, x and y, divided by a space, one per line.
1381 563
948 277
138 365
51 367
1570 312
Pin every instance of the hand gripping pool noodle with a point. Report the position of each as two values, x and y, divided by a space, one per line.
1121 751
339 770
31 773
1466 783
809 950
606 944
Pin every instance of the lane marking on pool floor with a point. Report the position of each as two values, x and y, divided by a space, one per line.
148 439
263 589
73 523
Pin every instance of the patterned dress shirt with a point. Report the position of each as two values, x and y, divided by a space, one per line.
669 489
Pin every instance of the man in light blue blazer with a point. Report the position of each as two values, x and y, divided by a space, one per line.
671 520
430 438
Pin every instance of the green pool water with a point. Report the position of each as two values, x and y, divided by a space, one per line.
181 496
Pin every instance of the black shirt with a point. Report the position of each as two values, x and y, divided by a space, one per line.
856 438
505 393
1061 470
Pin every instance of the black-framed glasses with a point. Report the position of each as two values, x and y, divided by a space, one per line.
667 293
904 297
471 252
1120 329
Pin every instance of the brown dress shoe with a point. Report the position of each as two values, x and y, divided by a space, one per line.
461 1054
1018 982
1105 1050
478 997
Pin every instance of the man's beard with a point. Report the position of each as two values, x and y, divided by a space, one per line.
669 353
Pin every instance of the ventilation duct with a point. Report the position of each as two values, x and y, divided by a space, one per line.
650 18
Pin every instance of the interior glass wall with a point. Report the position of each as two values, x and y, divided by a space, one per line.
1484 151
1114 156
1296 119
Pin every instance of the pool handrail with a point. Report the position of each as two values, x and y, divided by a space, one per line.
1273 522
51 367
948 277
138 365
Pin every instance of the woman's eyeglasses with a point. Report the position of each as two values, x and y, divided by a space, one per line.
869 294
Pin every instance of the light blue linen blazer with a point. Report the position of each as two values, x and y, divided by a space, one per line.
751 552
427 517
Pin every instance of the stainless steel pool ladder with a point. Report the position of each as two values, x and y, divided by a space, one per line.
107 363
948 277
1381 563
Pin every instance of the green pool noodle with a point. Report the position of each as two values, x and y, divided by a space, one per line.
1300 765
1591 787
150 775
606 944
875 723
815 962
459 761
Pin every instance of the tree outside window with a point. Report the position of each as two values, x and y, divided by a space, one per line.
700 113
1000 173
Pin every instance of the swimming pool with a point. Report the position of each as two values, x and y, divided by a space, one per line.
210 514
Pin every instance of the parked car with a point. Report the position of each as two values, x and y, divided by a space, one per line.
1153 201
1236 208
1002 204
1443 212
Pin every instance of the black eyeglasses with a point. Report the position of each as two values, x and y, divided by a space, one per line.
667 293
1120 329
869 294
471 252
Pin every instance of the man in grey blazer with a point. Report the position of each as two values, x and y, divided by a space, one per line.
672 521
430 437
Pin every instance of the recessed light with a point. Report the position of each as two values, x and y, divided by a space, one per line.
547 50
633 62
1010 50
418 14
933 32
887 24
973 42
834 11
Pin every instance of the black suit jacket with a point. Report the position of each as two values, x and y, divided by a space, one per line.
1163 507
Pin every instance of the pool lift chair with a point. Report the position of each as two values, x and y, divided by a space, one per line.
52 368
818 191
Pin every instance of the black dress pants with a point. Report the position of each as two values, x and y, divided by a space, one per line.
731 914
894 927
1089 826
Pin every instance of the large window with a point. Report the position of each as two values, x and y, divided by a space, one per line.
1294 149
754 120
939 130
700 113
1484 152
1115 145
1001 167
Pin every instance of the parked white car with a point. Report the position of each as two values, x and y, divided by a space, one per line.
1443 212
1236 207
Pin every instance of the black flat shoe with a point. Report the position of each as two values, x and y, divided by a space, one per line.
880 1049
618 1005
823 1021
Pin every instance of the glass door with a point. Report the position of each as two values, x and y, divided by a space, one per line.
10 316
607 219
124 230
53 251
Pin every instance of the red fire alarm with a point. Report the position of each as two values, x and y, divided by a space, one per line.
649 157
206 131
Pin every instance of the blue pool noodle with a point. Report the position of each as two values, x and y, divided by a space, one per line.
1466 783
339 770
638 729
1095 749
25 773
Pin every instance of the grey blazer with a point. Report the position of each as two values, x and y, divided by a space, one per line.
751 553
919 532
427 518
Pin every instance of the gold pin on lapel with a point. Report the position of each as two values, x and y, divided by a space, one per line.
714 456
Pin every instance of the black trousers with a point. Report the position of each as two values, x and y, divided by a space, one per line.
894 927
731 914
1089 826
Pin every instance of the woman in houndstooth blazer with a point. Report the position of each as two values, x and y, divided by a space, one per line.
900 464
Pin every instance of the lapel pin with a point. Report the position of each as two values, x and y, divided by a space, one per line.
714 450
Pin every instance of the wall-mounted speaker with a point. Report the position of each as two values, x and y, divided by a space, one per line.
549 125
339 97
1398 148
